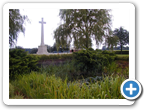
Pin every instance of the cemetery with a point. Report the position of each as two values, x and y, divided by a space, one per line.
77 74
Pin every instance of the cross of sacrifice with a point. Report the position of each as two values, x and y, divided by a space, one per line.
42 31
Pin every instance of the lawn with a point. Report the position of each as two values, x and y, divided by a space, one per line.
123 55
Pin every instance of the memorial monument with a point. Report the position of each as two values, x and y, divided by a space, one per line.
42 49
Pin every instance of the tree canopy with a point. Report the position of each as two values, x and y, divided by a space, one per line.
123 36
83 26
111 40
16 21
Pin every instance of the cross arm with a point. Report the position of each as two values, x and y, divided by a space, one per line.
42 22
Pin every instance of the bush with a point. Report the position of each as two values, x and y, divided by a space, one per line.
57 56
21 63
98 50
91 61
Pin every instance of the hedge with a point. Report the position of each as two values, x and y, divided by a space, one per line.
70 56
52 57
123 52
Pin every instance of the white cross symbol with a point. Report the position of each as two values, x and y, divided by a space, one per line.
131 89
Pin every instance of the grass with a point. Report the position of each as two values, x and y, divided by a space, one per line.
122 55
41 86
64 82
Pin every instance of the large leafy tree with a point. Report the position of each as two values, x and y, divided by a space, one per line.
83 26
123 36
16 25
111 40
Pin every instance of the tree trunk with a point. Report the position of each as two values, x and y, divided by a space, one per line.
121 49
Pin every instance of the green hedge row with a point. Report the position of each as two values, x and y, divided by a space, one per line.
70 56
123 52
52 57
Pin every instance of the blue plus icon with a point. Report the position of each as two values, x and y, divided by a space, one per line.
130 89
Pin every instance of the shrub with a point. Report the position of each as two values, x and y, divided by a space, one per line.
21 63
91 61
57 56
98 50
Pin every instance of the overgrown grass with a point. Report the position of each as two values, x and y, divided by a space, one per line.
41 86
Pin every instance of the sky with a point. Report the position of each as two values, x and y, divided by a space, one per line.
32 37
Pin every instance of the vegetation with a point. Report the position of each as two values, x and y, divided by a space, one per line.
123 36
111 41
16 21
21 63
67 81
123 52
92 61
43 86
82 25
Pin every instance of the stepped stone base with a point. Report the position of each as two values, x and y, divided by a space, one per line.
42 50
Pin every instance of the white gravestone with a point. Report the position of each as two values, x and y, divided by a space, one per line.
42 49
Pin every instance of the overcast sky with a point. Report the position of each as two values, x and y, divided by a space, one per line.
32 38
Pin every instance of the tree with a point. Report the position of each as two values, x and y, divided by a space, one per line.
61 37
104 48
83 25
16 21
49 48
111 40
54 48
19 47
123 36
33 50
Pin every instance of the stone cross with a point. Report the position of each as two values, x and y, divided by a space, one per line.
42 31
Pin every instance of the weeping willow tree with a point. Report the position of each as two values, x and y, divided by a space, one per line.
83 26
16 25
111 41
61 37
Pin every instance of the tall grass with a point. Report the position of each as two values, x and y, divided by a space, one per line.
43 86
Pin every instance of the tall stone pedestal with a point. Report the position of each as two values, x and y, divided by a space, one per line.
42 50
